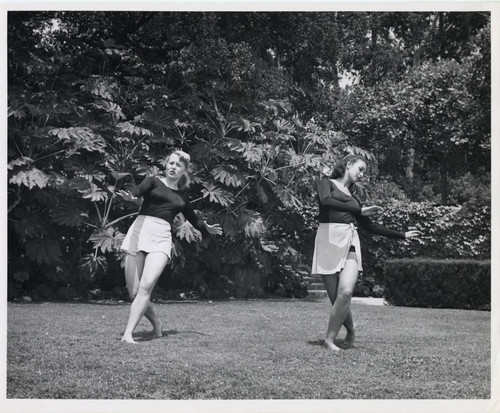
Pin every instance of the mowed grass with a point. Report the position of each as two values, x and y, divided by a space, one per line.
246 350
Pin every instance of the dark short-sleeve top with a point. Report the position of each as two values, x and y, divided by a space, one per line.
163 202
335 206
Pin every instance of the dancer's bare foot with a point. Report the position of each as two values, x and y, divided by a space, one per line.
157 332
330 346
128 339
350 337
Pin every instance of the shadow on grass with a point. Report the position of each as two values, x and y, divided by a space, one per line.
148 335
344 345
316 342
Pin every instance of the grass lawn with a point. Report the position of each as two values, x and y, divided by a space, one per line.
245 350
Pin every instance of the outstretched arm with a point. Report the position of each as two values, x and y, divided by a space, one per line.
413 233
135 192
199 223
377 229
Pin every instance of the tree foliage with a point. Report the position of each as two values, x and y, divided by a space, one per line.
98 99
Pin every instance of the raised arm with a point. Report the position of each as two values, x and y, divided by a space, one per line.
143 188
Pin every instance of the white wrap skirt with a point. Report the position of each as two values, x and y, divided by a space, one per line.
148 234
331 247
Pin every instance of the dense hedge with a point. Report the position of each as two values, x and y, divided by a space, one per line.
464 284
449 232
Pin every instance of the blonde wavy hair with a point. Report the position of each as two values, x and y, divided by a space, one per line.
184 157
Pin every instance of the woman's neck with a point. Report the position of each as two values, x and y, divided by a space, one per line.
344 181
171 183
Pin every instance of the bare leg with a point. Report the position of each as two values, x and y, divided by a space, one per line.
134 265
331 282
341 306
154 263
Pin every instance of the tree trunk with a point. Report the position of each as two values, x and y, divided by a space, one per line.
410 165
334 63
373 46
443 171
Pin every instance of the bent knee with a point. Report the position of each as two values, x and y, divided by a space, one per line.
345 293
145 288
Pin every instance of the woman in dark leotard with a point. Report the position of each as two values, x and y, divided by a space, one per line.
148 242
337 252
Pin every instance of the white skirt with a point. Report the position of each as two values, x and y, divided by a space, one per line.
331 248
148 234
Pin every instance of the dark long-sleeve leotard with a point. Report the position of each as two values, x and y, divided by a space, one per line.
336 206
163 202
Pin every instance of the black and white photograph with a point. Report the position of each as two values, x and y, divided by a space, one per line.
228 209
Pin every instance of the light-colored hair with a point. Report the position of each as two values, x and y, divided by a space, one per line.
186 160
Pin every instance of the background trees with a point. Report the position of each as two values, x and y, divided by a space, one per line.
97 99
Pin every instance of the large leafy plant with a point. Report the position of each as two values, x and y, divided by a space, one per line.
75 141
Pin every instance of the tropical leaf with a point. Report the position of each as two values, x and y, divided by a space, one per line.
32 225
159 117
99 88
107 240
252 223
80 138
127 127
235 145
68 215
85 169
31 178
217 195
23 160
35 110
184 229
269 173
43 251
252 152
21 276
94 193
18 113
119 175
229 175
90 265
358 151
286 196
242 124
79 184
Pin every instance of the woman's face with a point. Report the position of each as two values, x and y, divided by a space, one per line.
355 170
175 167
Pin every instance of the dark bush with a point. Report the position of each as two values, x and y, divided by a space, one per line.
461 232
463 284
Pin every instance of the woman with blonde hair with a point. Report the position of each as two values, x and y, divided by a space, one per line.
148 242
337 250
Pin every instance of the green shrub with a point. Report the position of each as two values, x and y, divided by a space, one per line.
455 232
435 283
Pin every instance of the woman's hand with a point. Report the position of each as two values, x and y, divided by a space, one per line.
412 234
214 229
127 196
371 210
